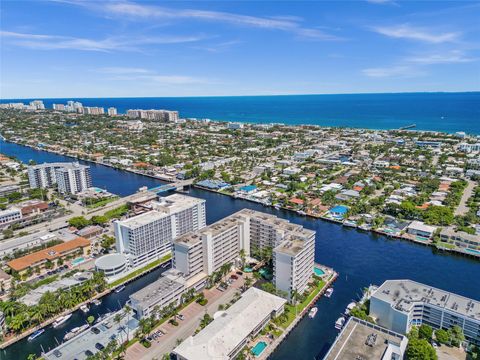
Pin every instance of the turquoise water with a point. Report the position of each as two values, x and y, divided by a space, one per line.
248 269
258 348
448 112
78 261
473 251
318 271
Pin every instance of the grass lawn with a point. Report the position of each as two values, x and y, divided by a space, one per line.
446 245
140 271
291 309
102 202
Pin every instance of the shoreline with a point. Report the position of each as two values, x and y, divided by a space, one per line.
399 237
46 323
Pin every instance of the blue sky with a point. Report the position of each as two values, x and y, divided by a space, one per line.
68 48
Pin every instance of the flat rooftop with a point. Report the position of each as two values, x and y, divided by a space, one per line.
292 246
162 208
231 327
402 294
161 288
352 343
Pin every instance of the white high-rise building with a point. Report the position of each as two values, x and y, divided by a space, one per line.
70 177
59 107
400 304
37 105
158 115
112 111
73 178
293 247
293 262
149 236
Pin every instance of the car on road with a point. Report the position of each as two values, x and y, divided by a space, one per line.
181 317
95 330
57 353
234 277
219 288
239 273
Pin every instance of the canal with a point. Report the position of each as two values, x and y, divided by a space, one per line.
360 258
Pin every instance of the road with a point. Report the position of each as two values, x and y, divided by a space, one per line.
193 314
462 208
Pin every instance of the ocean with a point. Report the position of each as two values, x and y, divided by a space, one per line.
446 112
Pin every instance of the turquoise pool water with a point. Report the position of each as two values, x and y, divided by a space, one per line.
266 274
258 348
318 271
78 261
248 269
473 251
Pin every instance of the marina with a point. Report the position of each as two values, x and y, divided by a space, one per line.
61 320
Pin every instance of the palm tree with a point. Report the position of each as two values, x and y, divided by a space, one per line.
127 310
117 318
294 296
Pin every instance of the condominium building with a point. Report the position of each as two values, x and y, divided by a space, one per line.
9 215
163 292
399 304
157 115
59 107
112 111
293 262
207 250
461 239
465 147
70 177
93 110
149 236
73 178
37 105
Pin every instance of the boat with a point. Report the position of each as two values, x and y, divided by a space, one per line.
120 288
97 302
350 307
61 320
36 334
102 317
339 323
312 312
328 292
75 331
165 264
277 207
301 212
84 308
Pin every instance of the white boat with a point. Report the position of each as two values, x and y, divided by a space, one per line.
165 264
97 302
277 207
36 334
75 331
339 323
61 320
350 307
120 288
329 292
301 212
312 312
84 308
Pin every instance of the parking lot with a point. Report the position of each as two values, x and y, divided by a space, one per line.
192 314
94 339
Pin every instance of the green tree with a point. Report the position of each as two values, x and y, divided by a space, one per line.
79 222
90 319
425 332
442 336
420 349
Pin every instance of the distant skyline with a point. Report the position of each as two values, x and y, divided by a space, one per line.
82 49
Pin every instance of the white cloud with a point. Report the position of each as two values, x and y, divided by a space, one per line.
136 11
56 42
122 70
393 71
443 58
407 32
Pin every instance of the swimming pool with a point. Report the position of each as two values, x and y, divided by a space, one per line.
318 271
248 269
473 251
78 261
258 348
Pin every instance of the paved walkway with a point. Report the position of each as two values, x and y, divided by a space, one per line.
462 209
193 314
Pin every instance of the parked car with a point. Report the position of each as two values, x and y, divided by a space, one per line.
88 353
181 317
95 330
234 277
239 273
99 346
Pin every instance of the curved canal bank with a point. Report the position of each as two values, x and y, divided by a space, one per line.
359 258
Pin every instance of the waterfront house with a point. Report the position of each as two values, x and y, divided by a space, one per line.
460 238
339 211
348 195
421 230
